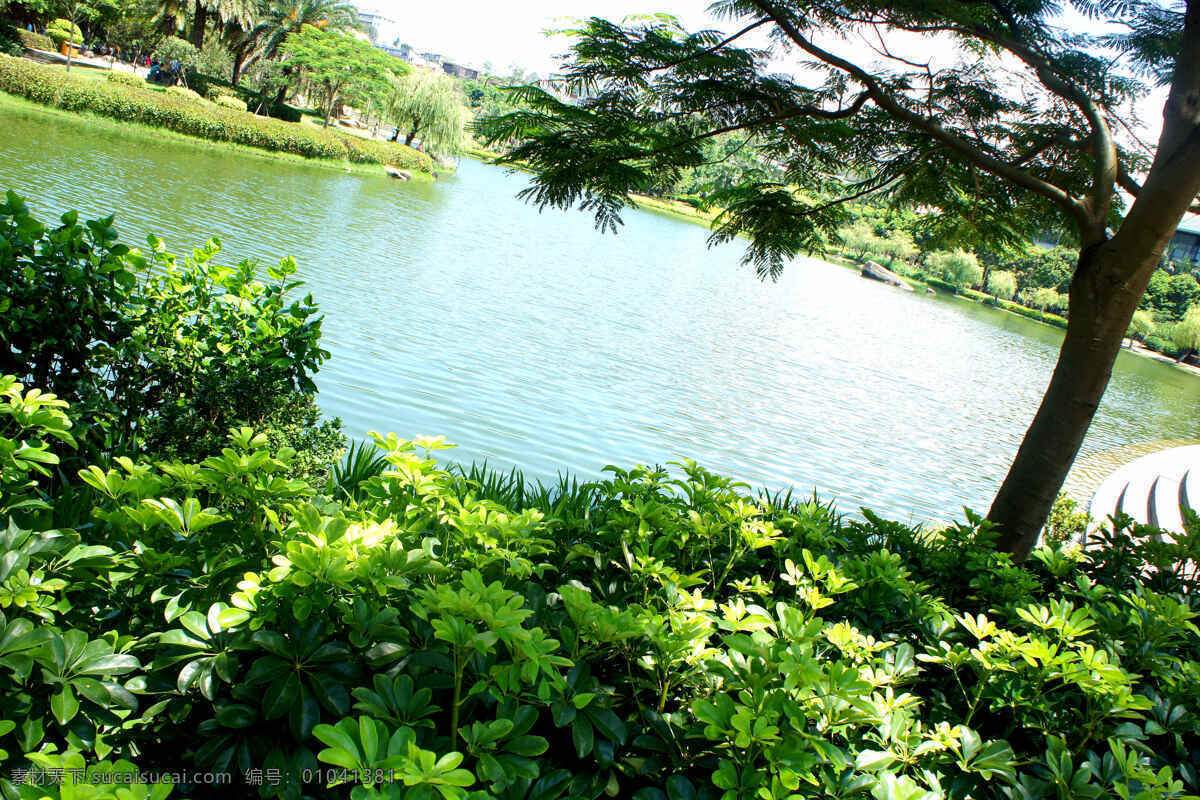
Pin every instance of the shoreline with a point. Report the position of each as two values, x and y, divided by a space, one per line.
22 105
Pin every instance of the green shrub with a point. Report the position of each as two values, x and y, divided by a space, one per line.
165 365
938 283
285 112
34 41
1161 345
230 102
125 78
1034 314
60 30
451 633
185 93
179 112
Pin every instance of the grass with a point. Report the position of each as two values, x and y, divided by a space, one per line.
96 122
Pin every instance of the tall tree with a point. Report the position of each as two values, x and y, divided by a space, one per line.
430 105
335 61
1031 127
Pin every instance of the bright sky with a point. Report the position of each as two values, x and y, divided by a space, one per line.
479 31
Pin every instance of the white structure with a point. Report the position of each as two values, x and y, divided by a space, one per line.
1153 489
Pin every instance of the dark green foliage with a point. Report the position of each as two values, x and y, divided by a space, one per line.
10 40
52 87
657 634
1171 295
159 356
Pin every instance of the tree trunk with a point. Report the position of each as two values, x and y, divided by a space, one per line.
199 21
1099 316
1105 291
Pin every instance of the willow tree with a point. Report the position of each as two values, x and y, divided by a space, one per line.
429 105
1030 127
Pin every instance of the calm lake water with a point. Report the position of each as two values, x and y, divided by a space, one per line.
533 340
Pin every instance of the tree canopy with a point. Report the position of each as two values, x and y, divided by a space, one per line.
334 60
1031 129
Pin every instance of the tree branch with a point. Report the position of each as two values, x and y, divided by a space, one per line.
709 51
885 100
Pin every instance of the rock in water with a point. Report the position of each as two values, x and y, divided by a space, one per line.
880 273
399 174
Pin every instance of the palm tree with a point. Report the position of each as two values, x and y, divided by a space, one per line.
239 13
277 19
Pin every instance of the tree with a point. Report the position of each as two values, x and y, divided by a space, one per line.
238 13
1002 284
432 106
1186 334
1026 132
1172 295
1141 326
334 61
860 239
957 267
1046 299
279 19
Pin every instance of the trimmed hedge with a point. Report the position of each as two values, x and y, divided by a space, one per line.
1034 314
125 78
229 101
184 93
938 283
35 41
52 87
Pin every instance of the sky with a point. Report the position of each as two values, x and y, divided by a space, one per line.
476 32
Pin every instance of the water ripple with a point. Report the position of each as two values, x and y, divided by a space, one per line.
532 340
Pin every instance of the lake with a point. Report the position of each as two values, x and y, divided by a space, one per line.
532 340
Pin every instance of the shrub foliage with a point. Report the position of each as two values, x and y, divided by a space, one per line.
182 114
408 630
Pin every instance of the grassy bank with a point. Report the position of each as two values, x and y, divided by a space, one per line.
195 118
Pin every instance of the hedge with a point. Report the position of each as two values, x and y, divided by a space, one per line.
945 286
1034 314
51 87
35 41
125 78
229 101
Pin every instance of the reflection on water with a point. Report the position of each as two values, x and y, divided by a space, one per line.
533 340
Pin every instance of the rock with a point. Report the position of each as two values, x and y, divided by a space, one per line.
929 291
880 273
398 174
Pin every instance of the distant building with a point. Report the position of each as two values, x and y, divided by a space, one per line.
460 71
1185 244
377 25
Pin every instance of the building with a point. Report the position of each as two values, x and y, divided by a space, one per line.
378 26
460 71
1185 244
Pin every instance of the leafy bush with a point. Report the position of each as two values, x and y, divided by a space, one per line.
172 48
651 635
165 365
460 634
10 40
1161 345
34 41
1067 523
184 93
938 283
125 78
60 30
54 87
1035 314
